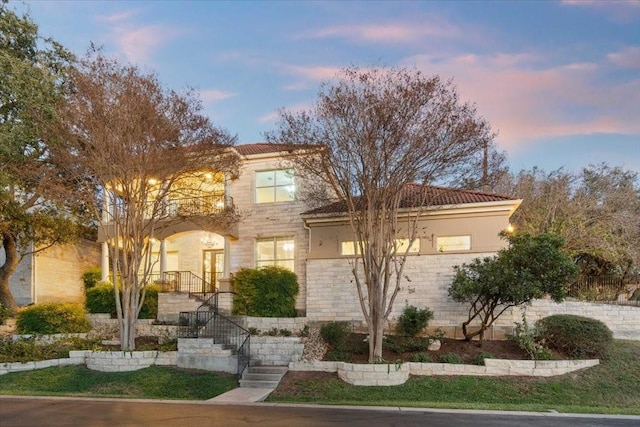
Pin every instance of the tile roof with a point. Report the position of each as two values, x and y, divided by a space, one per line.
414 193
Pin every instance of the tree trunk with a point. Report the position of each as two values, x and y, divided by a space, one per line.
6 270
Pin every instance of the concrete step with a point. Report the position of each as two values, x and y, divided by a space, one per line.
261 377
280 370
259 384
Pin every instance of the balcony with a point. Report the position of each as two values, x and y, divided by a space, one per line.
197 206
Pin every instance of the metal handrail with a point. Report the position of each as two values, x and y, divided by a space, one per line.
182 281
221 329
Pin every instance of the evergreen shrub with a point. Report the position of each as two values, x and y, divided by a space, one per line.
265 292
576 336
52 318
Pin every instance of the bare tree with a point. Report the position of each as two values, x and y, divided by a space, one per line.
137 146
596 211
383 137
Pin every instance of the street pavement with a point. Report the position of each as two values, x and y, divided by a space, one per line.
54 412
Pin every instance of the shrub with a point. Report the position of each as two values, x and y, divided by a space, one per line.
405 344
91 277
450 358
5 313
265 292
421 357
528 339
412 321
479 359
335 333
52 318
100 299
576 336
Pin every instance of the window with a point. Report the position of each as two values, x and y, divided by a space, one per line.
277 251
275 186
453 243
350 248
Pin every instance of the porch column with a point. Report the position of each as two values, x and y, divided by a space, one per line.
104 262
225 282
163 258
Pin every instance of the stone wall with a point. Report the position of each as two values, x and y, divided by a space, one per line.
171 304
103 326
105 361
396 374
201 353
276 351
266 324
333 296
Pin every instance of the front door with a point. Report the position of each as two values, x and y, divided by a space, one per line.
212 268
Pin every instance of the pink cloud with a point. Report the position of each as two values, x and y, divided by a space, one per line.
387 33
526 101
618 11
214 95
628 57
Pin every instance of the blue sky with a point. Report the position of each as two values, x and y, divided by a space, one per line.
559 80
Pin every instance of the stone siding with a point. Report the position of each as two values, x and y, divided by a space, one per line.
267 220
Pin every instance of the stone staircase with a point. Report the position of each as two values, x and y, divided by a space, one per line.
262 376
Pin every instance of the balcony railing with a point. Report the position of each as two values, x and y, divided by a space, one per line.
208 204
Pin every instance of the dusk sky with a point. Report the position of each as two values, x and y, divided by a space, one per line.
559 80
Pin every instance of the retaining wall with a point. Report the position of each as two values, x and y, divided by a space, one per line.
396 374
105 361
276 351
265 324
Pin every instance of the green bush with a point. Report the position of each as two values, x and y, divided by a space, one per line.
5 313
529 340
335 333
479 359
91 277
421 357
265 292
52 318
576 336
402 344
412 321
100 299
450 358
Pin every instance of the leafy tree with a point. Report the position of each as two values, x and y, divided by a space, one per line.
140 145
376 139
596 212
37 203
531 267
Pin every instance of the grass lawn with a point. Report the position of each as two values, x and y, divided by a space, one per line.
612 387
150 383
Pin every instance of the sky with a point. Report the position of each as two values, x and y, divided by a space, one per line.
558 80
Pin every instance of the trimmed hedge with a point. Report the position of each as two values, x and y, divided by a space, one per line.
265 292
52 318
576 336
100 299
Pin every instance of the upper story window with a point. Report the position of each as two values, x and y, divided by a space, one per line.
275 186
277 251
350 248
453 243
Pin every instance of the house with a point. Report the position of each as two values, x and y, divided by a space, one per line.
276 228
53 274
